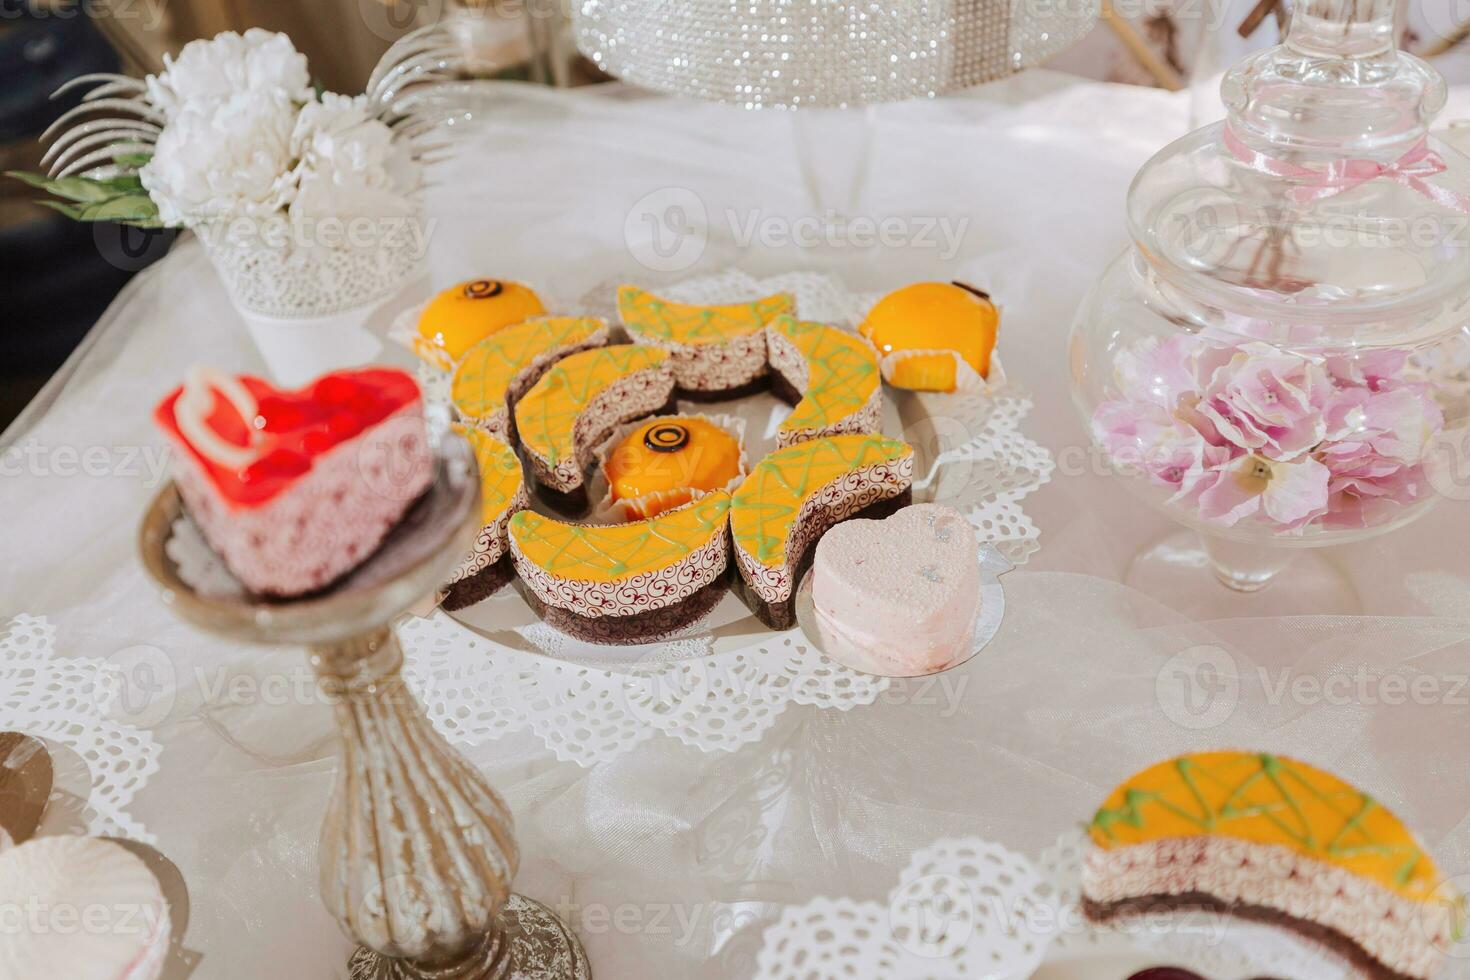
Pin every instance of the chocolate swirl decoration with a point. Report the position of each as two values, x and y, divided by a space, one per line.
483 289
666 437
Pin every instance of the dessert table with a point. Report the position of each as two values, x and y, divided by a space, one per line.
667 860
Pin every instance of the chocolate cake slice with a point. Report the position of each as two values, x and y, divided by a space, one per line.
719 352
794 495
577 404
1267 838
830 376
488 567
625 583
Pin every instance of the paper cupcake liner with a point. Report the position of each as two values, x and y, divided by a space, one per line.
967 379
607 510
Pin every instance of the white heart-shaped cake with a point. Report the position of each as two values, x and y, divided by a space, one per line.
898 596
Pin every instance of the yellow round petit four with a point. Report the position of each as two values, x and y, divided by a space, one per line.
931 317
463 315
669 461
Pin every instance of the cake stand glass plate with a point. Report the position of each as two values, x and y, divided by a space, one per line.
494 668
969 456
507 617
987 619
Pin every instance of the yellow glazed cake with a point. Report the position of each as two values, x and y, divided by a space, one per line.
1273 839
930 334
794 495
577 404
467 313
502 493
718 351
496 372
625 583
830 375
669 461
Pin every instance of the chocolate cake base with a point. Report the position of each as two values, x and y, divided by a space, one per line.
782 615
752 387
783 389
644 627
479 586
1201 901
570 503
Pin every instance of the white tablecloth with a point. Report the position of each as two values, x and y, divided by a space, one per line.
668 862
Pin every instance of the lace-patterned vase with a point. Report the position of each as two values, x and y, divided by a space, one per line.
308 293
1265 363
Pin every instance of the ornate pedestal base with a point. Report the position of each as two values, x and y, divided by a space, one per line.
417 850
533 944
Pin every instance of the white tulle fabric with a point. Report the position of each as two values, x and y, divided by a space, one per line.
718 697
70 701
670 861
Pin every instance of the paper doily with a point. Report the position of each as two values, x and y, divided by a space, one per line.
719 693
970 908
69 701
964 909
476 690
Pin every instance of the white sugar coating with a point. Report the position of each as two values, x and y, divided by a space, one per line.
915 558
80 908
905 589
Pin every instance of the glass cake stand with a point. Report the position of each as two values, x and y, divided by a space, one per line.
1269 364
417 850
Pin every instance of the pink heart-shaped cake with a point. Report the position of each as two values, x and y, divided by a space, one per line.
898 596
294 489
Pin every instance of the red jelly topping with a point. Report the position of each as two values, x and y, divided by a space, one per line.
291 428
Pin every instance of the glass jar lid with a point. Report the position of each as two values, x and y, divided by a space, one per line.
1319 211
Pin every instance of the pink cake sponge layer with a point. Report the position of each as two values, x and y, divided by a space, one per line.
1403 935
325 523
902 591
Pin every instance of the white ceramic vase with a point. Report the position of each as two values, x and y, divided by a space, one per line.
311 296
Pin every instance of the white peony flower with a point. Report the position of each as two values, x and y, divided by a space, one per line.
228 160
209 72
348 163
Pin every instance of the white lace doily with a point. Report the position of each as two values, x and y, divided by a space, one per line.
726 685
970 908
964 909
70 702
476 689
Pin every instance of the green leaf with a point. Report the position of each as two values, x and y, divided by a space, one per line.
126 184
124 207
83 189
70 210
134 161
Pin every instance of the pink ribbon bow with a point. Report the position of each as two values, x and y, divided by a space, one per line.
1410 170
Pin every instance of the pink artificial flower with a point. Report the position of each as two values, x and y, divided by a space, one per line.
1142 436
1263 400
1291 494
1395 421
1367 368
1158 371
1367 488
